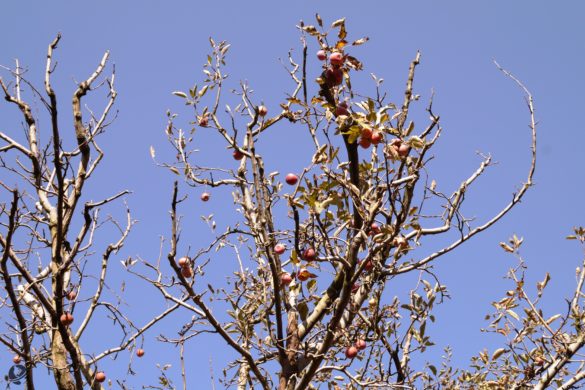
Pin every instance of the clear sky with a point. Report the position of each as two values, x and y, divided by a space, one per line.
159 47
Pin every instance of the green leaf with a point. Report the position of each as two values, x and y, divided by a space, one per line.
294 257
312 285
303 310
433 369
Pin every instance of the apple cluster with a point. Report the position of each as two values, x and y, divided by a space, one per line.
352 351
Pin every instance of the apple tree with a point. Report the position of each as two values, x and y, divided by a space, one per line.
307 301
310 300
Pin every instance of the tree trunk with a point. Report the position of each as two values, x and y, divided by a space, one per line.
60 367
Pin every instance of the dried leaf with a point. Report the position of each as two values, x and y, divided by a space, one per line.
513 314
180 94
506 247
360 41
311 30
203 90
498 352
338 23
433 185
319 20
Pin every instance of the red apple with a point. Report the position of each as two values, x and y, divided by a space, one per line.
291 179
403 150
341 109
321 55
285 278
71 295
333 76
205 196
366 133
203 121
66 318
365 143
351 352
376 137
100 376
16 359
140 352
184 262
187 272
262 110
360 344
238 155
279 249
336 59
375 228
309 254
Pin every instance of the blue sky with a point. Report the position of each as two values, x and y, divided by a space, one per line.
159 47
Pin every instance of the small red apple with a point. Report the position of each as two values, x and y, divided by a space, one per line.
351 352
66 318
279 249
366 133
360 344
285 278
291 179
71 295
140 352
403 150
376 137
365 143
262 110
100 376
336 59
203 121
333 76
187 272
341 109
205 196
16 359
374 229
238 155
184 262
309 254
321 55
